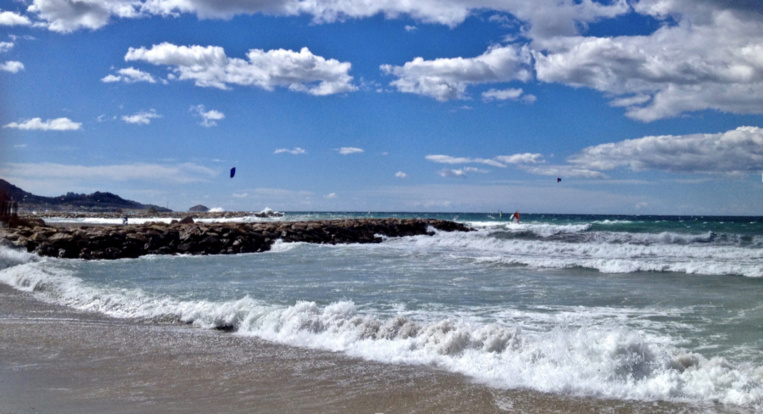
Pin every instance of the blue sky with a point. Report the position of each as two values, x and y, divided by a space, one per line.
641 107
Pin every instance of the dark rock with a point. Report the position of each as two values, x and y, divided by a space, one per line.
114 242
187 220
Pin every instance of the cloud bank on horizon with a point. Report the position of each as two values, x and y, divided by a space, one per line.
655 63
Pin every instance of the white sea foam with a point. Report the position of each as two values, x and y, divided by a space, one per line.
607 252
579 351
12 257
539 229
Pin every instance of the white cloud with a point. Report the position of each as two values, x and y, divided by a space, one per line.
129 75
13 19
240 195
447 78
330 196
401 174
350 150
141 118
295 151
732 152
210 67
704 54
178 173
208 118
67 15
542 18
461 172
450 173
11 66
447 159
507 95
711 59
526 158
563 171
37 124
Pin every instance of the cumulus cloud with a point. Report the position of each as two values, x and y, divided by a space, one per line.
129 75
350 150
731 152
178 173
141 118
11 66
704 54
294 151
401 174
13 19
208 118
209 66
707 57
710 59
37 124
447 78
542 17
507 95
66 16
735 152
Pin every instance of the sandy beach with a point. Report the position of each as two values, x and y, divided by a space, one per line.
56 360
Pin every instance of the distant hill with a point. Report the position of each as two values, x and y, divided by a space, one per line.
96 202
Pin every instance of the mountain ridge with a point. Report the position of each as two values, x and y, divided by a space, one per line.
97 201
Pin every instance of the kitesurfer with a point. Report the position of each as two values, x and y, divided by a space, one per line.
515 217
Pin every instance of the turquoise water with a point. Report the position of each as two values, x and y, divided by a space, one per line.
624 307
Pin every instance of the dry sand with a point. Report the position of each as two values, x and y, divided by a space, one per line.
56 360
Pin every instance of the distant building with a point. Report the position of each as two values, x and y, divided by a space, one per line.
199 209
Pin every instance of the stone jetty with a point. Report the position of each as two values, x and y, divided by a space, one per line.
134 240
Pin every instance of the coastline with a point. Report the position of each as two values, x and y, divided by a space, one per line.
54 359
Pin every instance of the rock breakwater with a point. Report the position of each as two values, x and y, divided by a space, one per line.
131 241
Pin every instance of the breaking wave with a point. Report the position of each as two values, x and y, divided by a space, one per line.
585 357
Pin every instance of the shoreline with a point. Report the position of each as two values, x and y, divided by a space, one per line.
55 359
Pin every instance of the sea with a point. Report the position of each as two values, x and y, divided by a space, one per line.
633 308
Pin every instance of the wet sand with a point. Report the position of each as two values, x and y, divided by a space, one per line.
57 360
